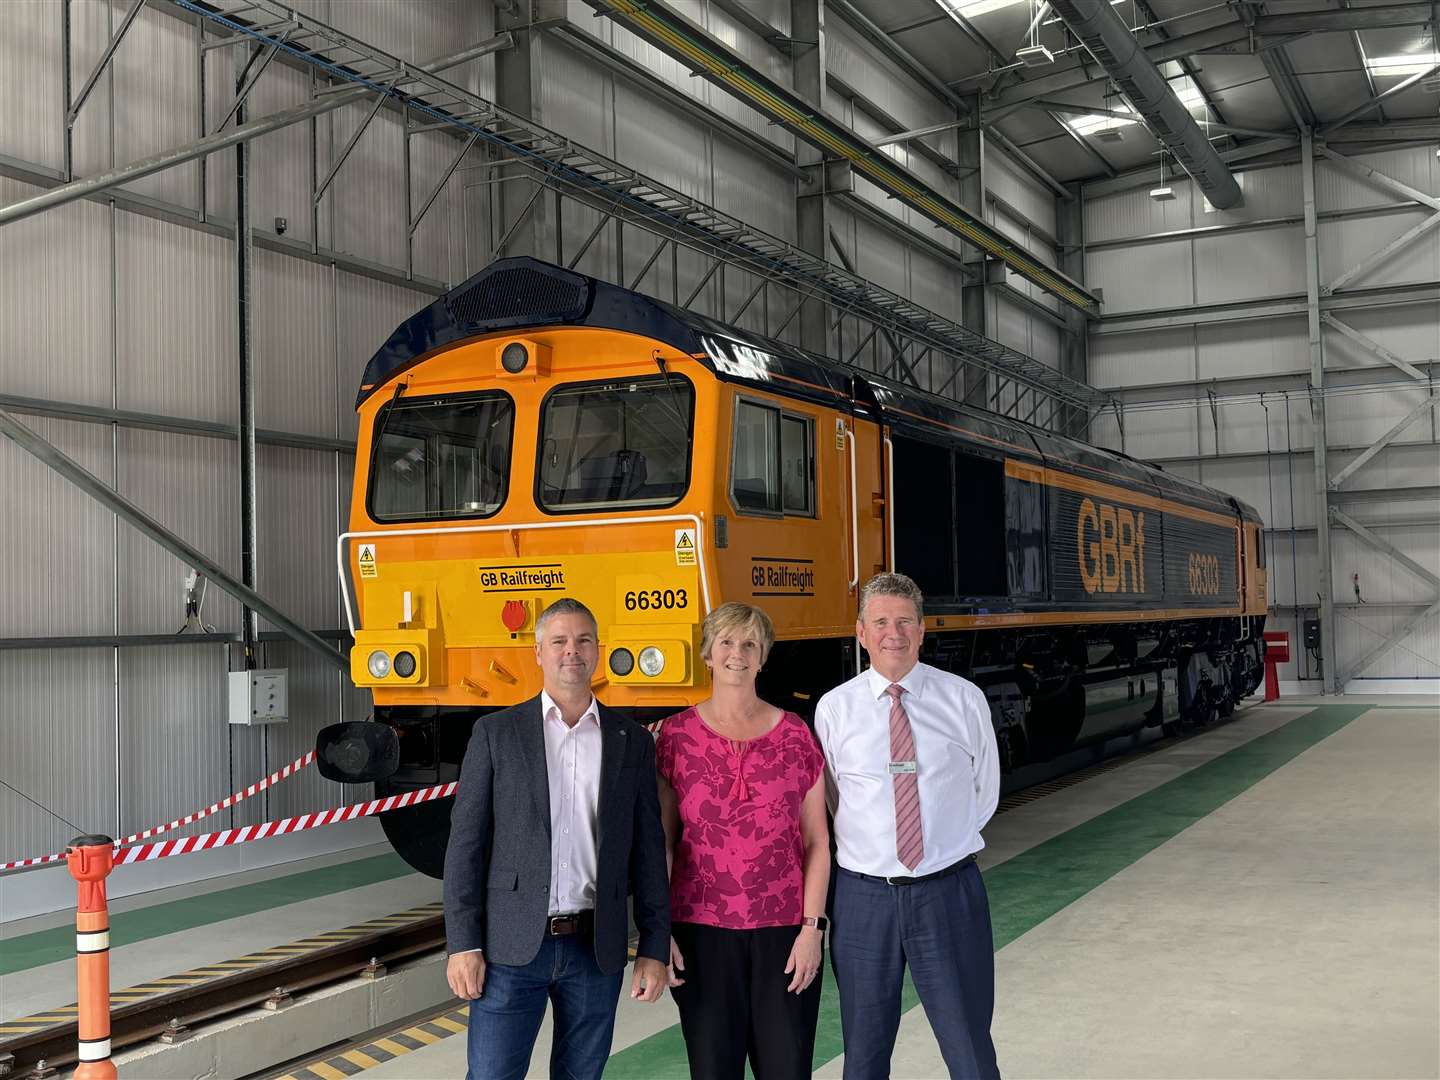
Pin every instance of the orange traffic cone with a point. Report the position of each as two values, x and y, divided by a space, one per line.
91 859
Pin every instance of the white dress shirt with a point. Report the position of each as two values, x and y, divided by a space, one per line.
956 764
572 762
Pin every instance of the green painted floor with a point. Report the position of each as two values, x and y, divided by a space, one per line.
1030 887
48 946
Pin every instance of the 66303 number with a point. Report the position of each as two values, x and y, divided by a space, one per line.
656 599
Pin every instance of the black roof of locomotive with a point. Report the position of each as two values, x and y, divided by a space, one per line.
524 293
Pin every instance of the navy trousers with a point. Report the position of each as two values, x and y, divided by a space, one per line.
506 1018
940 929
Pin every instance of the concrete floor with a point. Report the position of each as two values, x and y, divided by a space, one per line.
1291 929
1261 900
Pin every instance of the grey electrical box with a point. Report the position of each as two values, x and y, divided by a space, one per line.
261 696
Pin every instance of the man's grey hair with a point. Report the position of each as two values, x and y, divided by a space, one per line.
892 585
564 606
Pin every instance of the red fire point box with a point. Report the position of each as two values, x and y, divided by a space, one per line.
1277 652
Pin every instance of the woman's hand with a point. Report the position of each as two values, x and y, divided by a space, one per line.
677 963
805 956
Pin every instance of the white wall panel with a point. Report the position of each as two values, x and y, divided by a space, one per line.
1411 332
280 161
157 96
1346 243
1161 433
439 243
1338 189
1127 214
1017 187
297 522
315 701
57 576
672 147
852 60
1267 193
1248 265
174 736
575 97
175 318
55 301
1156 275
31 92
57 719
1359 418
1252 347
190 485
1150 356
293 344
366 200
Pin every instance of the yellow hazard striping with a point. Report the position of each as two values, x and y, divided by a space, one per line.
365 1057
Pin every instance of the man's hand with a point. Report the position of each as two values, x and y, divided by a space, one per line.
649 980
466 974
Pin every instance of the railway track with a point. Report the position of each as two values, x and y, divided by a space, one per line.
169 1014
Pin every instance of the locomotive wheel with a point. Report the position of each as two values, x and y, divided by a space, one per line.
417 833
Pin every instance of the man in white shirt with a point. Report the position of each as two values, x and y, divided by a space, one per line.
556 821
915 776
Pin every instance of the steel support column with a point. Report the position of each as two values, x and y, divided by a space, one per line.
128 512
812 216
244 291
1075 341
526 222
1328 645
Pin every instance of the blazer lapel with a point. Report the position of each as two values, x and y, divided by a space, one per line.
532 747
614 740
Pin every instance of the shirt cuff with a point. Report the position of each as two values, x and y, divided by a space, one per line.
462 952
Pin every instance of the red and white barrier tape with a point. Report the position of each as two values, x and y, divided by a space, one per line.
226 837
230 800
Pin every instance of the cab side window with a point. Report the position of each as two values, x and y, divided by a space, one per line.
772 468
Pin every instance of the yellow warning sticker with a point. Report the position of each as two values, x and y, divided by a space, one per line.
367 561
839 434
684 547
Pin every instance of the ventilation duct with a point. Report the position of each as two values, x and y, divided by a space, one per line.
1102 31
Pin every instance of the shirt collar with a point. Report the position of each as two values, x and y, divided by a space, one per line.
913 682
591 713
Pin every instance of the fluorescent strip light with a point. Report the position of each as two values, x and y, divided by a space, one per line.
968 9
1409 64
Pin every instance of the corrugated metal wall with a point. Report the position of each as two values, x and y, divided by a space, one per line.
1260 448
114 308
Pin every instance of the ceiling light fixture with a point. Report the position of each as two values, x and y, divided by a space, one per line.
1406 64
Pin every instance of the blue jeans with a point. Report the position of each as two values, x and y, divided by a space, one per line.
506 1018
940 930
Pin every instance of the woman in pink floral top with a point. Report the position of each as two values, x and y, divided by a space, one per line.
743 803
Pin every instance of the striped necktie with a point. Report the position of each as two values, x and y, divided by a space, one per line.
909 835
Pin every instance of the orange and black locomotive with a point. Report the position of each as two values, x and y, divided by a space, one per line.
536 433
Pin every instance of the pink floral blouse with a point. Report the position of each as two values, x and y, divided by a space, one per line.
739 860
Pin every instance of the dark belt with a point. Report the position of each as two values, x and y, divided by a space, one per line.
581 922
953 868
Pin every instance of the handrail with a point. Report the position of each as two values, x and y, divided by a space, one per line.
854 515
573 523
890 502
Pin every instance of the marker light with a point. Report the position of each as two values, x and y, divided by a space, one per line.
622 662
404 664
652 661
514 357
378 664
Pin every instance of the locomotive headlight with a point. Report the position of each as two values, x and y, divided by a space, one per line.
514 357
652 661
378 664
404 664
622 662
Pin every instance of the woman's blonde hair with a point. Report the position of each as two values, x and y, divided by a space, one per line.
735 619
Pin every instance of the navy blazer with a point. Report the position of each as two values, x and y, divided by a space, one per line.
497 864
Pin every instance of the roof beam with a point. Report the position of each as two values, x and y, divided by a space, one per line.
1380 16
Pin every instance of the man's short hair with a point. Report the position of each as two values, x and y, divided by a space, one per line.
733 619
564 606
892 585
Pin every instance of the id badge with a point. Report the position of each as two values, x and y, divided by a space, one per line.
898 768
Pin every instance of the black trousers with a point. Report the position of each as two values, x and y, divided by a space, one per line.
735 1004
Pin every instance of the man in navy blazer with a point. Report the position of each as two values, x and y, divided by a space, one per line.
555 821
